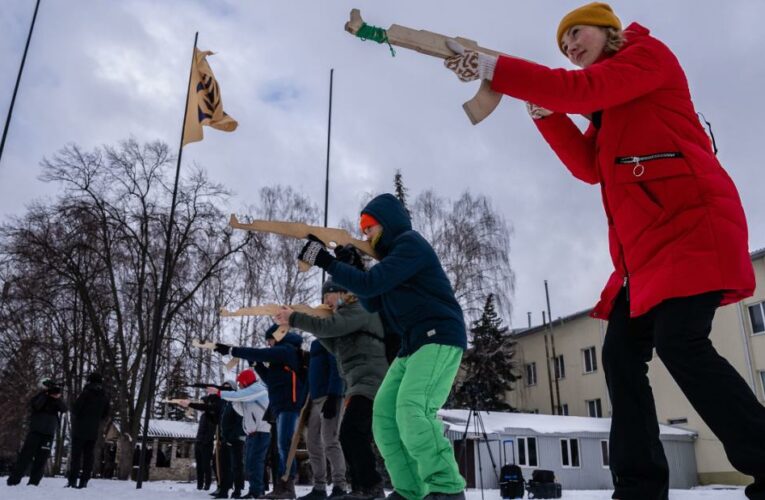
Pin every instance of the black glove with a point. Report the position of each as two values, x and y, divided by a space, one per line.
331 407
313 253
222 348
348 254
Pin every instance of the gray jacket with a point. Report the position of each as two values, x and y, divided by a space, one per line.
251 403
355 337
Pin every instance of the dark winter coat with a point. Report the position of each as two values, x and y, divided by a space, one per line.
675 221
323 377
211 408
90 408
355 337
408 286
45 412
231 424
286 389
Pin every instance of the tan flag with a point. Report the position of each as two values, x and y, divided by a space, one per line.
205 105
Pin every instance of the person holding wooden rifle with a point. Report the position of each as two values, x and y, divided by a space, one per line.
356 338
88 412
285 380
211 407
677 232
410 289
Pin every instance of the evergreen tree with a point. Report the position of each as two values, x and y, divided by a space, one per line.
487 367
398 183
176 388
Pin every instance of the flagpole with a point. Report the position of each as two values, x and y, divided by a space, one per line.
164 286
18 81
326 177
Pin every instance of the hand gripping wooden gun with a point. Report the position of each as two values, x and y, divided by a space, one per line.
211 346
330 236
432 44
321 311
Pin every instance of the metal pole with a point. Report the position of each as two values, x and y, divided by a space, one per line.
326 177
163 288
18 80
552 346
547 365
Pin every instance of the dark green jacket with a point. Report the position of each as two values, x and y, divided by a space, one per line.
355 337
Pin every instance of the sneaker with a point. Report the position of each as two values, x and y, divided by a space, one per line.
445 496
337 493
283 490
394 495
315 494
376 491
236 494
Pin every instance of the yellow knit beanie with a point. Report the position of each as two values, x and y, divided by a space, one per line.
592 14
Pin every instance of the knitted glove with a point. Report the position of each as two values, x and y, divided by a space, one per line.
469 64
313 253
330 407
349 255
222 348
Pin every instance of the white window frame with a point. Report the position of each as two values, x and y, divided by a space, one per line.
593 356
596 404
559 365
605 457
567 443
524 441
761 307
563 409
762 382
531 368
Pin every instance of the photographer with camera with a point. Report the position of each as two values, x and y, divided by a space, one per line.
45 407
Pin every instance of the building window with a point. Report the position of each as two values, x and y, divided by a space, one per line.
563 410
757 316
677 421
569 452
527 452
594 408
604 454
531 374
560 367
762 381
590 360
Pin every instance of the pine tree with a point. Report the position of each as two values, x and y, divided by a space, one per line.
398 183
176 388
487 367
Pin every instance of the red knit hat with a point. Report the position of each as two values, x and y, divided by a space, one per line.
367 221
247 377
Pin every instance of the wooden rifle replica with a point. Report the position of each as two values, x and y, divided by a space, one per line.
331 237
321 311
432 44
211 346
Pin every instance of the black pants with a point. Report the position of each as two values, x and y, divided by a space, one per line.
82 455
356 441
234 462
203 455
679 331
35 451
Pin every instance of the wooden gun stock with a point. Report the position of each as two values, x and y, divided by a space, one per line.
211 346
330 236
321 311
434 44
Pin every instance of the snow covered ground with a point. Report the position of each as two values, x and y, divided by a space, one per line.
53 489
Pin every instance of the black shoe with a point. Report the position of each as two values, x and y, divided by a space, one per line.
82 485
446 496
12 482
337 493
250 495
221 494
394 495
315 494
236 494
215 493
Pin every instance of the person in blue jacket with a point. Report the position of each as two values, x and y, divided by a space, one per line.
286 392
411 291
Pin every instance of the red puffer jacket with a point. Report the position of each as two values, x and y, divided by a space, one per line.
675 220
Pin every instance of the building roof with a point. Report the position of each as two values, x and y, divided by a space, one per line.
497 422
173 429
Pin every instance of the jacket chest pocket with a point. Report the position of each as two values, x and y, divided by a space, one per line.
654 179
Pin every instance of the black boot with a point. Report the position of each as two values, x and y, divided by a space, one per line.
446 496
83 483
336 493
314 494
222 494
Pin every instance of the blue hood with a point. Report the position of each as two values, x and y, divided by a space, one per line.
392 216
292 339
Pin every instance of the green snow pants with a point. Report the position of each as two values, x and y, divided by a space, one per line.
417 455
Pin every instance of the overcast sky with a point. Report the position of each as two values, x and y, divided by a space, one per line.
98 72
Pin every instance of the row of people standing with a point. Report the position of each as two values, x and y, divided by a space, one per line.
90 409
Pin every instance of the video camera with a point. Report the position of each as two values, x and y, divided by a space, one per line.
52 387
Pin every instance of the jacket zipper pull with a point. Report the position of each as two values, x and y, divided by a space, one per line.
626 286
638 170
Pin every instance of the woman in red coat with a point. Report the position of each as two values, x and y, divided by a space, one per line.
677 232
